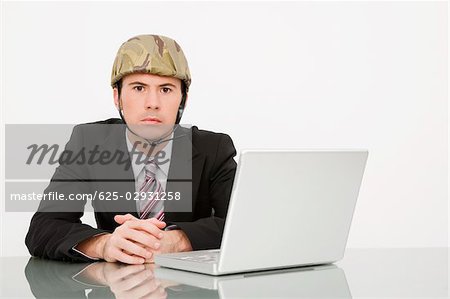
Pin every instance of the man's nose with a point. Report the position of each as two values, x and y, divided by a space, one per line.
152 100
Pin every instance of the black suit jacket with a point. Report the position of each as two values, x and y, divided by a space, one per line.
202 167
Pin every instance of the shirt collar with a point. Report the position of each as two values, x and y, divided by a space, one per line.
137 167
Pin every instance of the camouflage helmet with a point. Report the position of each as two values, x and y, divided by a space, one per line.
154 54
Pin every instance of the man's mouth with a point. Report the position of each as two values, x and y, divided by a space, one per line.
151 120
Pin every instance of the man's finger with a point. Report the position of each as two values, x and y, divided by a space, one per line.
160 224
128 259
146 226
132 248
142 238
120 219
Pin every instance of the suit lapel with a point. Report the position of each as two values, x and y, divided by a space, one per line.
118 175
184 176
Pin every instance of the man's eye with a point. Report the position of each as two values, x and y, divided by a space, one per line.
166 89
138 88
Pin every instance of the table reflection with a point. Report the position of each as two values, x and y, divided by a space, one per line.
53 279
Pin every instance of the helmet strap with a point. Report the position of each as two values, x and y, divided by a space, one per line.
181 108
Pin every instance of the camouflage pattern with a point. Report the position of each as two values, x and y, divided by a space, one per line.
155 54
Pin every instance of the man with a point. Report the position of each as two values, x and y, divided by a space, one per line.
150 81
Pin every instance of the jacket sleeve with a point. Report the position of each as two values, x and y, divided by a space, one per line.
206 233
56 227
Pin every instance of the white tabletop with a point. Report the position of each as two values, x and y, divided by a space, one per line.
375 273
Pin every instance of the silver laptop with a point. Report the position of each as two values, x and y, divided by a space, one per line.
288 208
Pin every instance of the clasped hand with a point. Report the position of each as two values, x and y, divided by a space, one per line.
136 241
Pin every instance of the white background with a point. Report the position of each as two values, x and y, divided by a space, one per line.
271 75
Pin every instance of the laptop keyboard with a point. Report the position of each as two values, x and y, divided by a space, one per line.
201 257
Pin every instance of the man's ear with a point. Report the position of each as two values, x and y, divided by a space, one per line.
116 98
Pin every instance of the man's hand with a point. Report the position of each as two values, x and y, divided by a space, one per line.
172 241
132 242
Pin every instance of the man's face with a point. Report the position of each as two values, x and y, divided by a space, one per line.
149 103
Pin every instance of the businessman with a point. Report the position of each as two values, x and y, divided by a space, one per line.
167 187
